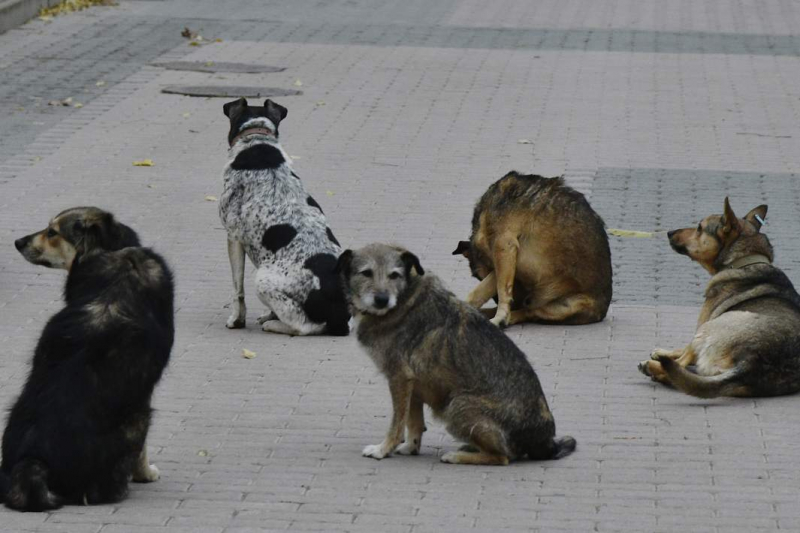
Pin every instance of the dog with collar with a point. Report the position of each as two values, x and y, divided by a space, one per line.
747 341
271 218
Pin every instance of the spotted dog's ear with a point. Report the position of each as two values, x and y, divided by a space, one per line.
343 264
462 249
275 112
411 262
231 109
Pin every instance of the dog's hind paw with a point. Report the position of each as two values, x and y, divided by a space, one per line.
659 352
148 474
375 451
266 317
234 323
644 368
407 448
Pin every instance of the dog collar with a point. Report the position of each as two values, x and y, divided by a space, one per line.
748 260
252 131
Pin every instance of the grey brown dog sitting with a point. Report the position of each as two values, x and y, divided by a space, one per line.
747 341
439 351
541 251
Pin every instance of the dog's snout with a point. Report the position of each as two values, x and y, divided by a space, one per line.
381 300
21 243
671 233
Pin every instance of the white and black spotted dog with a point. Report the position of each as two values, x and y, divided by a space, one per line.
270 217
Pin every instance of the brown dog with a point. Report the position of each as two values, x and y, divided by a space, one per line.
747 341
540 250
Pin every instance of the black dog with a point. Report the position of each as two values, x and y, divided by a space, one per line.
77 432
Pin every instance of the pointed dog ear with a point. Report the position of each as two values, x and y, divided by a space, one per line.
233 108
98 231
729 220
757 216
343 263
462 249
275 112
411 262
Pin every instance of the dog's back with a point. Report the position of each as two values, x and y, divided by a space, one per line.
563 237
84 411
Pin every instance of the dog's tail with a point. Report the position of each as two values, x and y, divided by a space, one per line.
27 488
727 383
554 449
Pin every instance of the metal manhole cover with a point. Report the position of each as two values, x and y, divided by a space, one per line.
228 91
221 66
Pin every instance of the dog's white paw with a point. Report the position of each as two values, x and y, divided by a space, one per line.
148 474
500 321
658 352
266 317
234 322
276 326
407 448
375 451
450 457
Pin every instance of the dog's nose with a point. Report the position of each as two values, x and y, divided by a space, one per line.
381 300
20 243
671 233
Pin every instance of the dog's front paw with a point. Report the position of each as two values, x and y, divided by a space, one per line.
644 368
266 317
407 448
376 451
147 474
450 457
234 322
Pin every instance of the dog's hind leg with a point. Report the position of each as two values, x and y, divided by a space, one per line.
505 264
486 290
29 490
487 446
238 308
575 309
415 425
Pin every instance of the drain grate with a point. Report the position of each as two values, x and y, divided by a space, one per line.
215 66
223 91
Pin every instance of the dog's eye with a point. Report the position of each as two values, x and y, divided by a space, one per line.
366 273
51 233
395 275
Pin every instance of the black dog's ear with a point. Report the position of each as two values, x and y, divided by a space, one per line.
232 108
343 264
462 249
757 216
411 261
275 112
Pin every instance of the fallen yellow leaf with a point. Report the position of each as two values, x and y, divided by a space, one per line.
298 83
210 198
100 83
629 233
524 141
144 163
202 453
187 115
329 193
78 105
247 354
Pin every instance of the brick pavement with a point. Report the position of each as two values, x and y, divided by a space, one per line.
408 112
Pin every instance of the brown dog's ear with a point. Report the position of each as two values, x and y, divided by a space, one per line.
412 265
729 220
462 249
275 112
757 216
231 109
343 263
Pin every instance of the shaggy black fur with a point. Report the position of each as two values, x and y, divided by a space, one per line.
77 428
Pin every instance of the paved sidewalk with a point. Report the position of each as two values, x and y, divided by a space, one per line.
410 109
